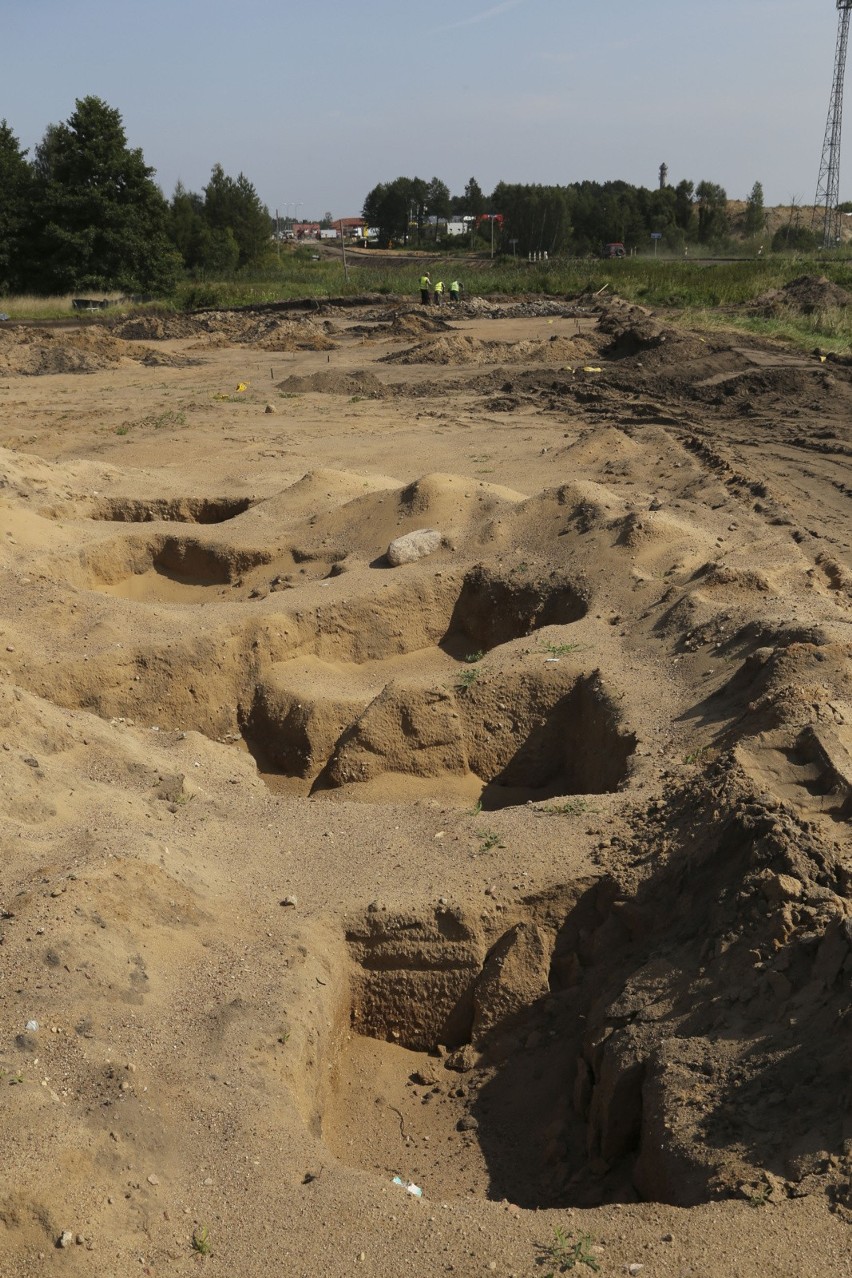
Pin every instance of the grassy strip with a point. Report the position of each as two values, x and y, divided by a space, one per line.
829 329
672 283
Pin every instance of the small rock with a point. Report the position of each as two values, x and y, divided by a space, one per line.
290 900
153 1179
65 1239
269 408
467 1124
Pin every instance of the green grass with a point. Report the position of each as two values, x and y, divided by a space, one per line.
490 839
573 807
567 1252
201 1241
830 329
690 286
467 678
561 649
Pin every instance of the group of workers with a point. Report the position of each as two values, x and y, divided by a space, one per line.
428 290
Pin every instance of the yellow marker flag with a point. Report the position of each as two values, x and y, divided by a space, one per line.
241 386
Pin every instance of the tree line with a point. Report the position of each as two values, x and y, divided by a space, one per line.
85 214
576 219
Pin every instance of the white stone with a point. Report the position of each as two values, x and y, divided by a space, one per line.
413 546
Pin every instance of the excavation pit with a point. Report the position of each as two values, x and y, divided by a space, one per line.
173 510
170 569
460 1061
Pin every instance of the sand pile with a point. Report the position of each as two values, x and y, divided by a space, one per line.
461 349
40 352
363 384
271 332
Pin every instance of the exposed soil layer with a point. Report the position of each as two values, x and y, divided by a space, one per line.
519 872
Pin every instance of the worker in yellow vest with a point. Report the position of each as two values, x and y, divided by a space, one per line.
455 292
425 289
439 293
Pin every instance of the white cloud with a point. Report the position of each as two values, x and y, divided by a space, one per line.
493 12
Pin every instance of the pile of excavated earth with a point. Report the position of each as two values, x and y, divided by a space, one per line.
426 773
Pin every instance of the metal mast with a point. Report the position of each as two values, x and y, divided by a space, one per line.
828 184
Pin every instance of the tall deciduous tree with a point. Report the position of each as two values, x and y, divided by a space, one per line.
102 220
537 217
388 208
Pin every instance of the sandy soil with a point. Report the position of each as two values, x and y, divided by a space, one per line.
520 872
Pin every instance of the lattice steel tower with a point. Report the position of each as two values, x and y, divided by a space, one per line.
828 185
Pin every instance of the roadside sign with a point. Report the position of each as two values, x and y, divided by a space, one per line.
656 235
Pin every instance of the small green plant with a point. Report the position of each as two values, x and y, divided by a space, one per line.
561 649
474 656
567 1252
572 807
157 421
760 1197
201 1241
121 430
521 568
467 678
490 839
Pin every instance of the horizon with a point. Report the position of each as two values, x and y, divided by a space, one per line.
524 91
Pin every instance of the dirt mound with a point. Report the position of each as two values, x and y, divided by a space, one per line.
363 384
38 352
460 349
414 323
267 331
806 294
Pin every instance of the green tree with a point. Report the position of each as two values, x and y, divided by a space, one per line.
187 226
537 217
388 207
101 219
684 205
233 204
474 203
755 215
712 211
438 202
15 202
795 239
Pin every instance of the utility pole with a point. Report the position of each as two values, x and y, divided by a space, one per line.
828 183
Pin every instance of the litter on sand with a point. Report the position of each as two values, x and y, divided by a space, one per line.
408 1186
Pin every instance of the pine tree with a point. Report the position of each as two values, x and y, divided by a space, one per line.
102 220
15 196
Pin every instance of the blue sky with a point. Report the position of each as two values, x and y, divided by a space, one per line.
318 101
